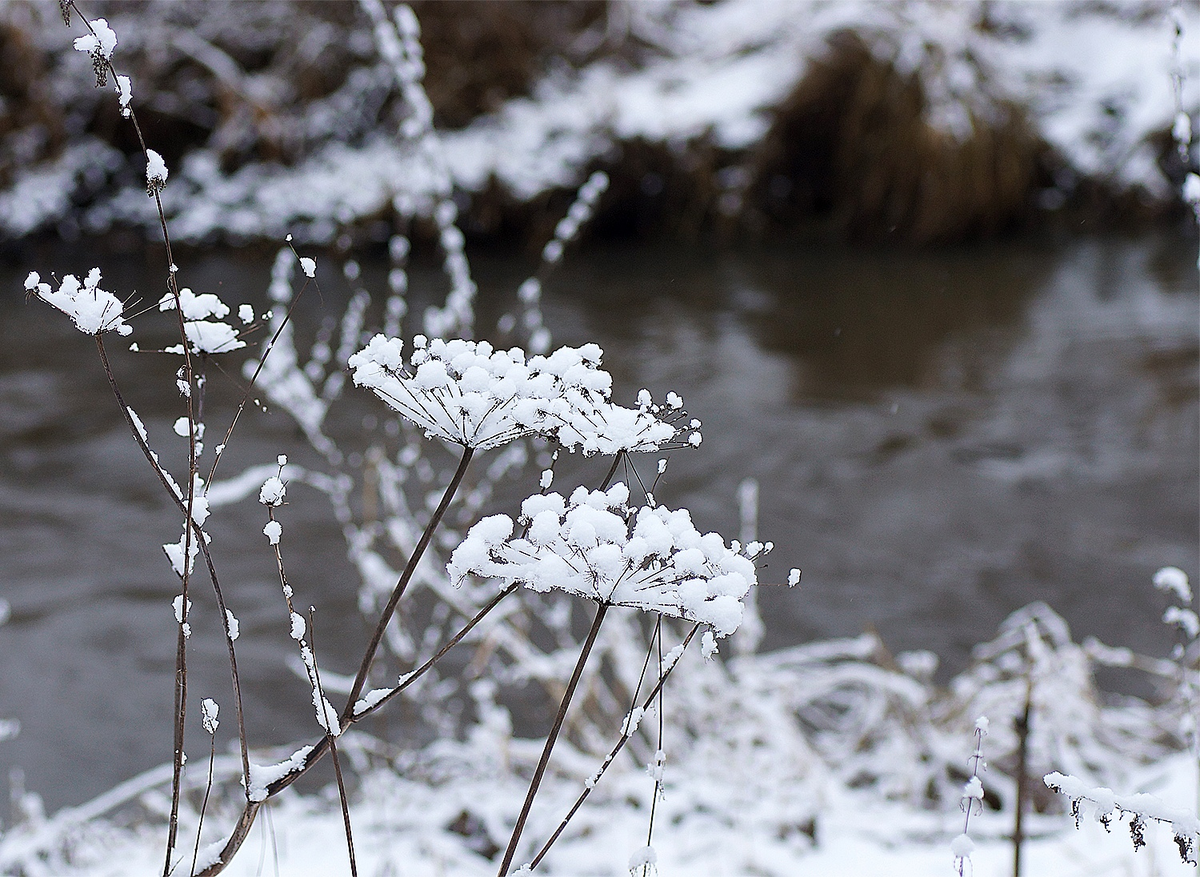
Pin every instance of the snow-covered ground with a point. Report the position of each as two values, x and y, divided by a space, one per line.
829 758
404 826
832 757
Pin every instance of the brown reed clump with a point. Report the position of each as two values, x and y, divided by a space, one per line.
853 148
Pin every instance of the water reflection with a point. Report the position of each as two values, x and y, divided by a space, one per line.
941 437
860 324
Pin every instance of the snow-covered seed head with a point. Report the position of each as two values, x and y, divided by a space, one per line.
64 6
468 393
92 309
272 492
203 322
156 173
595 546
99 44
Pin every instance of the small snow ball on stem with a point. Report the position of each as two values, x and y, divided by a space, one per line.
208 715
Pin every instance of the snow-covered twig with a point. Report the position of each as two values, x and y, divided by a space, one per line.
1138 808
972 797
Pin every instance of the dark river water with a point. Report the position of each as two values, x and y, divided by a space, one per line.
939 439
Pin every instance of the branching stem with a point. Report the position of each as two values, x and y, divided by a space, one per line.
608 759
405 577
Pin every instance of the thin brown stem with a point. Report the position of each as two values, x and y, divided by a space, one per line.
212 757
341 784
170 488
405 576
612 470
658 750
416 674
250 387
180 712
551 739
333 753
608 759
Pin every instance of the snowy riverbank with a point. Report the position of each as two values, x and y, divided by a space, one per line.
692 109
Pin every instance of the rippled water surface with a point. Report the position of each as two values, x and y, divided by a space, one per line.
939 439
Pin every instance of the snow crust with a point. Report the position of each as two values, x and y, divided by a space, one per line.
156 172
102 42
1182 822
1175 580
209 710
263 775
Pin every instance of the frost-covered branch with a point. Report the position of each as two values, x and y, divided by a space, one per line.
1138 808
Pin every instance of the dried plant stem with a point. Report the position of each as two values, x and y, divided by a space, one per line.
177 755
189 379
551 739
203 546
212 757
608 759
416 674
386 615
246 820
1023 728
658 763
341 784
253 380
612 470
333 753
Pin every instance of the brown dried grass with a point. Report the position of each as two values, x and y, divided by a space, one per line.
852 148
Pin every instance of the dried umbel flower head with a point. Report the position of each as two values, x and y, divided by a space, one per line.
594 425
92 309
463 392
203 322
467 393
595 546
156 173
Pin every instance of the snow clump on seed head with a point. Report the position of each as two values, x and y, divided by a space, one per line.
202 322
463 392
92 309
100 45
588 422
595 546
156 173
